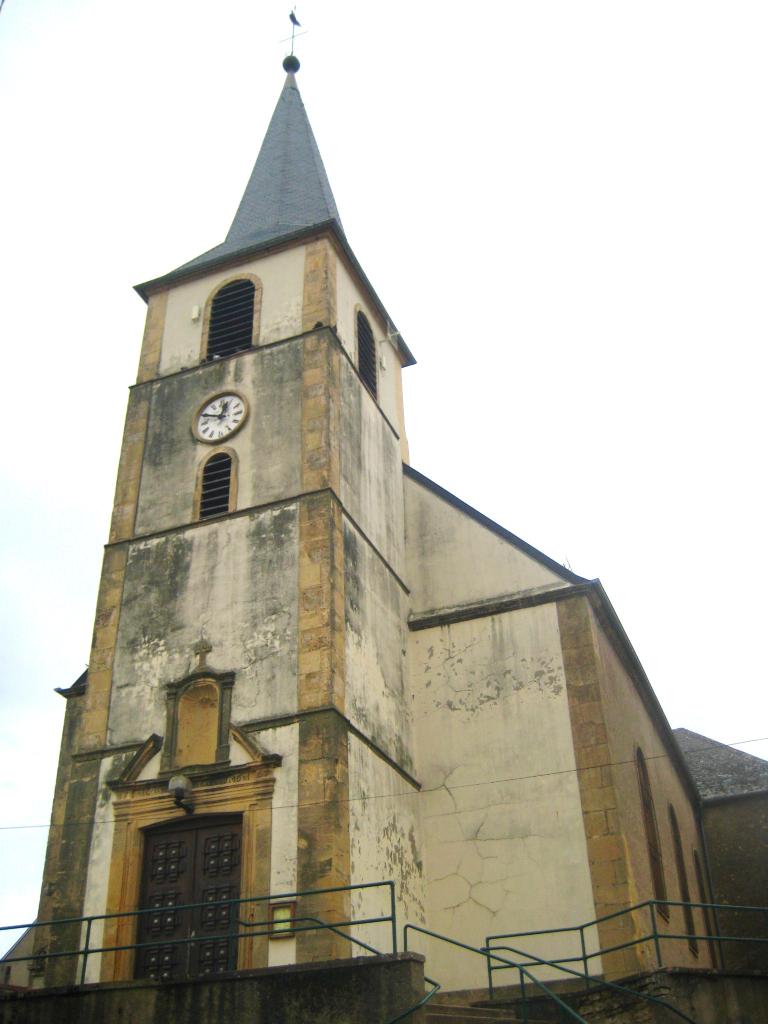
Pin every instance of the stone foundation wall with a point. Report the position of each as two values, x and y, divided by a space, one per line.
736 834
704 996
356 991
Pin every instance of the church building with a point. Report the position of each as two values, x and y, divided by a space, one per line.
313 668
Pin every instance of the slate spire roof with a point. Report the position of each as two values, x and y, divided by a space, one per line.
288 190
287 196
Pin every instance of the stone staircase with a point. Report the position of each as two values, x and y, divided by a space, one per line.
455 1013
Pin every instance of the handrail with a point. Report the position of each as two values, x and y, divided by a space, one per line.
253 928
190 940
602 982
628 910
488 954
656 936
86 950
377 952
422 1002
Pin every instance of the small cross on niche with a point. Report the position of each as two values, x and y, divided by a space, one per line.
202 649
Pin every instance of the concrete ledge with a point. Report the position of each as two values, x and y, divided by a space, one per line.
362 990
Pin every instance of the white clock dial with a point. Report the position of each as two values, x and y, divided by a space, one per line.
220 417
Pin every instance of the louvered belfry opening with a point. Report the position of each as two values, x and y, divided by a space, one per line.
366 353
231 326
217 479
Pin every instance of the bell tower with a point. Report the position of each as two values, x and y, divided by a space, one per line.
250 629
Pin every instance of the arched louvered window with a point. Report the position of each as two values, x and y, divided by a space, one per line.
366 353
216 486
230 328
682 882
651 833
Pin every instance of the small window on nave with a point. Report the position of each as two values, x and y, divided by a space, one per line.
651 833
705 897
216 486
231 325
682 882
366 353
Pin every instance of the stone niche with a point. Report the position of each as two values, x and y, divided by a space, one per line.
198 710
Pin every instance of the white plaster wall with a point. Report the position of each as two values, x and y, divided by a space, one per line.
375 609
237 753
17 973
454 560
97 879
504 842
385 844
283 878
282 278
234 581
350 297
151 769
371 471
267 446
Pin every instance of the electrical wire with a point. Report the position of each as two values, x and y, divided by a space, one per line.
87 822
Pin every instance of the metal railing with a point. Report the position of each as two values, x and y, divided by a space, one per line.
602 983
411 1009
495 951
524 972
235 934
654 936
525 975
422 1002
252 929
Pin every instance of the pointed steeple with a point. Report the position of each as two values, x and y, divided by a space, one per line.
288 188
288 191
287 196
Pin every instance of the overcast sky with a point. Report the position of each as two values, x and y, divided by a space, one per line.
563 206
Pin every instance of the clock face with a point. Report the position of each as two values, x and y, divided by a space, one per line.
220 417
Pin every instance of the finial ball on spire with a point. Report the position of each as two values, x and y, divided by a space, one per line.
291 64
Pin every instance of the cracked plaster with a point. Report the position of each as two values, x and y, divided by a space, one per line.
385 842
501 802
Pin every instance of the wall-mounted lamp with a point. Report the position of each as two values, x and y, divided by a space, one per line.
180 789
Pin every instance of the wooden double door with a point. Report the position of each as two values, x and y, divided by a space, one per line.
194 861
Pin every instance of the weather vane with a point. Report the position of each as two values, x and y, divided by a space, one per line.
295 23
